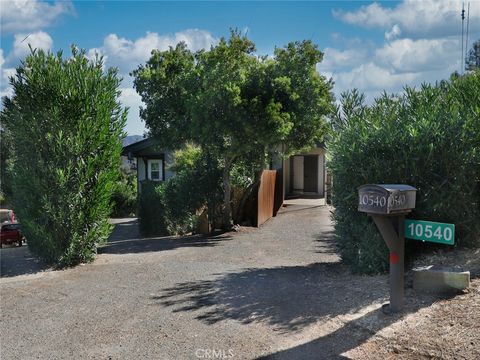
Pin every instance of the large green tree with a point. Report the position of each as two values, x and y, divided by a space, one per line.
234 103
65 123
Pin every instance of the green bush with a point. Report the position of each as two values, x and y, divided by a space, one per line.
170 208
428 138
152 210
65 124
124 195
164 210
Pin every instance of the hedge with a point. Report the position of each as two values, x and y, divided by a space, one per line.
65 122
428 138
171 207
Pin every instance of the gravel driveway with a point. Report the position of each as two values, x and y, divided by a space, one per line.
267 292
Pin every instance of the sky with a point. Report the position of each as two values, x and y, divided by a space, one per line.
371 46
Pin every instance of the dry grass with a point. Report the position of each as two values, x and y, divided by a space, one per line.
448 328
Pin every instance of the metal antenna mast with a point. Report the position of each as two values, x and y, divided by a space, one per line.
466 41
463 20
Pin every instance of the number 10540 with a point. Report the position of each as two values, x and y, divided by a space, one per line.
430 231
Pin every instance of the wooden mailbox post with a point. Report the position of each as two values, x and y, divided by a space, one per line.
388 204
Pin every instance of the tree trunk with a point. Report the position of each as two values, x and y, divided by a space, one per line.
251 188
227 209
245 196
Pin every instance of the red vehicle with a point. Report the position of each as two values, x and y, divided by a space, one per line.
10 233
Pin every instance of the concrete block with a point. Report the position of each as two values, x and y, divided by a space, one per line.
440 280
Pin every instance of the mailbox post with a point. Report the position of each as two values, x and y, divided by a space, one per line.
388 204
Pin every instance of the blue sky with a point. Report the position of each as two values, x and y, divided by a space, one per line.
370 46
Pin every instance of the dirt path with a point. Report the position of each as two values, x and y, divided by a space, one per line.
276 292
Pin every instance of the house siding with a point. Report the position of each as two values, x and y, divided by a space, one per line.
321 175
295 183
141 171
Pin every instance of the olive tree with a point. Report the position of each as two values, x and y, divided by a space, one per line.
234 103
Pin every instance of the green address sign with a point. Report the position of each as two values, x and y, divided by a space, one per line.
430 231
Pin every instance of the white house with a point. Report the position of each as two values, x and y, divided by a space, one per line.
153 162
302 174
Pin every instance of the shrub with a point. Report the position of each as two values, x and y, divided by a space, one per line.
171 207
65 122
428 138
152 209
124 195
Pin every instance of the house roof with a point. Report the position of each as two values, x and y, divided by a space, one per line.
134 148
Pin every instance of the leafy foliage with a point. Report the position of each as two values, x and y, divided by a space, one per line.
171 207
233 103
65 123
124 195
428 138
472 60
152 209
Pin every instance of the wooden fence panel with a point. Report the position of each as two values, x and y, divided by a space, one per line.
266 196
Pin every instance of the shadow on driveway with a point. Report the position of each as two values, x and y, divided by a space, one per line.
16 261
338 342
326 243
126 239
288 298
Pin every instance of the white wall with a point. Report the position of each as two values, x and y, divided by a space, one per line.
321 177
286 176
297 173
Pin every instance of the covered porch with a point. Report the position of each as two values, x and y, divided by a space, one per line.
305 176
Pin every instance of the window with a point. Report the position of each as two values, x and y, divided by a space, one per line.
155 170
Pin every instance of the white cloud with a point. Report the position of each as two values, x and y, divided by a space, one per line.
37 40
5 88
94 52
8 91
2 58
130 98
394 32
371 76
5 73
392 66
334 59
27 15
422 44
128 54
20 48
407 55
373 15
426 18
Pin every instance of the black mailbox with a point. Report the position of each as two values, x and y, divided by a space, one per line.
386 198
